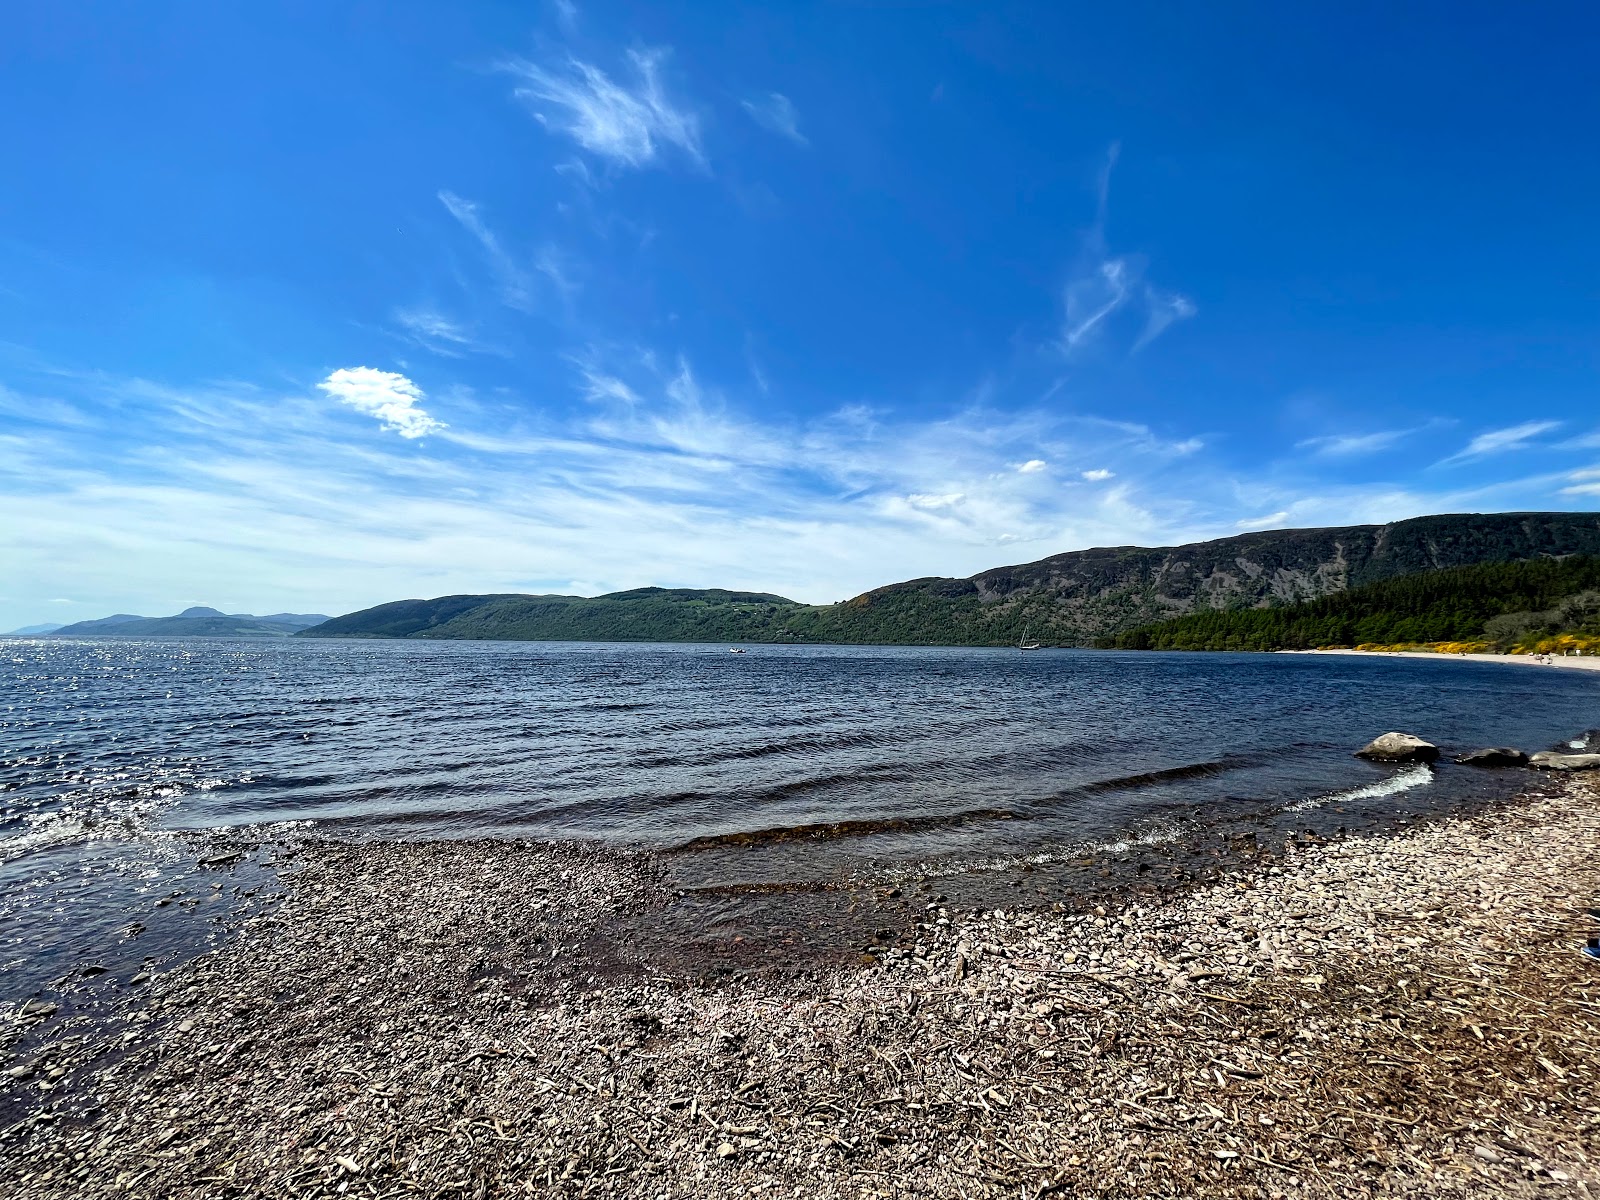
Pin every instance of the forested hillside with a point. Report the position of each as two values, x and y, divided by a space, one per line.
1503 605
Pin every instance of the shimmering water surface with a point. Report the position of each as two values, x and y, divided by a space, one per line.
782 765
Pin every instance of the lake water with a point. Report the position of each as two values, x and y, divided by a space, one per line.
786 768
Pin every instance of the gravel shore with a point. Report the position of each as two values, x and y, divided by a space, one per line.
1396 1015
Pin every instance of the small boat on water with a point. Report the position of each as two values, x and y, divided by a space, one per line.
735 650
1025 644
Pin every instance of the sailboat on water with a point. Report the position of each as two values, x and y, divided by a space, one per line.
1025 644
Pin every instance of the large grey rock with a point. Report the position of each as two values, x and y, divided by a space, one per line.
1495 756
1399 747
1550 760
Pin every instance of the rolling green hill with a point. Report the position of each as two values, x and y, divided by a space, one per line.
1503 604
1067 599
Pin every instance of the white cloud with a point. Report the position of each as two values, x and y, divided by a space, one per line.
1032 466
1582 489
390 397
1349 445
1271 519
1098 475
776 114
624 124
1500 441
516 286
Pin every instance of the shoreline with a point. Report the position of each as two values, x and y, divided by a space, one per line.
1584 663
1404 1012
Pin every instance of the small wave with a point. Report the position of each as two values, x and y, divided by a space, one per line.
1155 835
1414 776
1149 778
841 829
56 831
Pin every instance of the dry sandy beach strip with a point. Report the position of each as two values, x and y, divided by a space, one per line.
1400 1015
1570 662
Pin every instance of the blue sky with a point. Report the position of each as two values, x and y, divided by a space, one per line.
312 306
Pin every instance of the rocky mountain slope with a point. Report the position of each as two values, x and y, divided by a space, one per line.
1066 599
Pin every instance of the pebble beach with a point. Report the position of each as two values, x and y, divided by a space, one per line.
1396 1015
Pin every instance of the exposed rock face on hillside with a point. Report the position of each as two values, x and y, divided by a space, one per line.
1082 594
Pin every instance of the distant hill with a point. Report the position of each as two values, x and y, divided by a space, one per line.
1068 599
193 622
33 630
1505 606
645 614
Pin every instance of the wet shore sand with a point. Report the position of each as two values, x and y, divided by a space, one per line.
1405 1014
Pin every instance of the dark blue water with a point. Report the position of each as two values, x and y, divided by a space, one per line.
780 765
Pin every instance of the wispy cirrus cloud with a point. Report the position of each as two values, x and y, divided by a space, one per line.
390 397
627 124
516 285
1105 285
775 113
1584 483
1266 522
1352 445
434 331
1501 441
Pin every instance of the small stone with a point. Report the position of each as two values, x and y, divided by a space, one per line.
1486 1154
727 1150
1549 760
1494 756
39 1008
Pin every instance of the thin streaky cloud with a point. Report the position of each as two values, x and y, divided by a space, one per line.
626 124
1350 445
516 288
1032 467
1502 441
1163 310
1091 298
436 332
776 114
1271 519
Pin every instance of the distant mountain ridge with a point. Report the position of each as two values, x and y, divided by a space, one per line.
193 622
1067 599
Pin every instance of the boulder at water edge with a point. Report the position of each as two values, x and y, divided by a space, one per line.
1495 756
1550 760
1399 747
